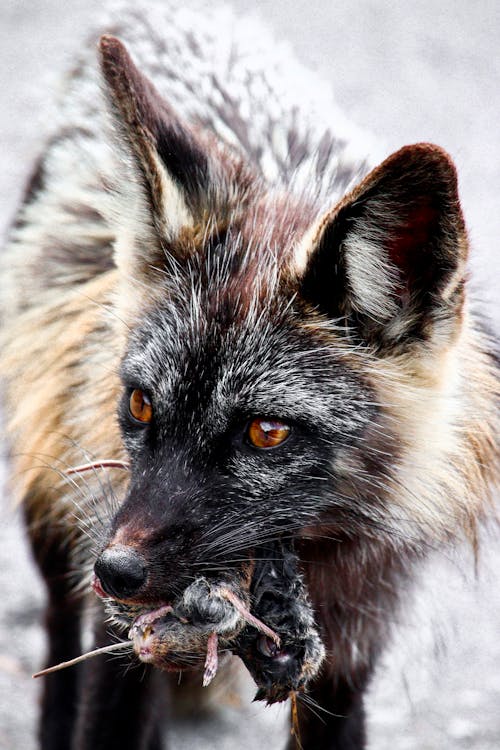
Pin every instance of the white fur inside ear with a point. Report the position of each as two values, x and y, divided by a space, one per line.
175 213
304 248
371 277
138 230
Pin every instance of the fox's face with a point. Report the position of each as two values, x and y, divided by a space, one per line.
232 423
266 340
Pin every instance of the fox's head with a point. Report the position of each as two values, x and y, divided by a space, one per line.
287 369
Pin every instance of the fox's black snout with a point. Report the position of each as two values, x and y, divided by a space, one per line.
121 571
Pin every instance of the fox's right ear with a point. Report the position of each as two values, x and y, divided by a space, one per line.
172 181
388 263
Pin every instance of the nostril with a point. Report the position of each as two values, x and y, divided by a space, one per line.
121 571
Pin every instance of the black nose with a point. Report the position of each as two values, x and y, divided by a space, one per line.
121 571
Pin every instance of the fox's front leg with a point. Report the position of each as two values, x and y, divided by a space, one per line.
63 616
335 720
119 705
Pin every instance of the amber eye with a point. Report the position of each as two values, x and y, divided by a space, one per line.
267 433
140 406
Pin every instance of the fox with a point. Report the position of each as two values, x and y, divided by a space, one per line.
246 388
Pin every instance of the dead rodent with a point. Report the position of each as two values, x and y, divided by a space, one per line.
271 626
207 617
279 598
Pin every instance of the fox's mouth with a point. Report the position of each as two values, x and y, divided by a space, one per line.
283 652
133 604
97 588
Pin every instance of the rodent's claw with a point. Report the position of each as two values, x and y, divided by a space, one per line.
212 660
248 617
148 618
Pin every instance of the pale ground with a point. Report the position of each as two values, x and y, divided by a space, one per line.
409 71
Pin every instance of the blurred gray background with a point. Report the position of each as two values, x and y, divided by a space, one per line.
407 71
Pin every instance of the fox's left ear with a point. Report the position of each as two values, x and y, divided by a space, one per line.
389 260
174 178
169 165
